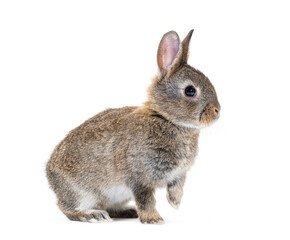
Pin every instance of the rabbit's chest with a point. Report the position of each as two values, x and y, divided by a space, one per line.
170 156
169 165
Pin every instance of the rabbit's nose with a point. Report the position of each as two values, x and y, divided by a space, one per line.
214 107
216 110
211 112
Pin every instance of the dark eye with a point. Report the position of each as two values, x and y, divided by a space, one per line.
190 91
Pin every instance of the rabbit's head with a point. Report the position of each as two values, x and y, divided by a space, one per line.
180 93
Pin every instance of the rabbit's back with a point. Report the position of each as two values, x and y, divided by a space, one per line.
87 155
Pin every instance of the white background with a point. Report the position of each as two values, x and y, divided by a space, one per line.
61 62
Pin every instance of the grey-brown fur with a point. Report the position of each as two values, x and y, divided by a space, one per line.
135 149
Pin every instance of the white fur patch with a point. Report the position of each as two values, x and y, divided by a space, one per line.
192 126
175 174
100 221
187 125
117 194
87 200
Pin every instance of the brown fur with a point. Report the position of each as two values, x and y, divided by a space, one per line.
175 192
135 148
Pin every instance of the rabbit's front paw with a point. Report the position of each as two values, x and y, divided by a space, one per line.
174 200
151 218
175 192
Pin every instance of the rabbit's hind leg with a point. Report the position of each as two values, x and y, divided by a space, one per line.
87 210
76 203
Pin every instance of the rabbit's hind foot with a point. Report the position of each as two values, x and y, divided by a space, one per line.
91 216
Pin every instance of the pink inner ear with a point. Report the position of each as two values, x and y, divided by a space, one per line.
169 51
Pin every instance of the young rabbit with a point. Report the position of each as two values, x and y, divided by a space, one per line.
123 154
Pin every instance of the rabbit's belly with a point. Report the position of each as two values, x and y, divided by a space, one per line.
118 194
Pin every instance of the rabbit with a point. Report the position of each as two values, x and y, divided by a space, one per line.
125 154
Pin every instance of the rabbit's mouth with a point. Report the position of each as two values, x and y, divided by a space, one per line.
208 124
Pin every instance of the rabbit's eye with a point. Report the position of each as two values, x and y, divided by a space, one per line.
190 91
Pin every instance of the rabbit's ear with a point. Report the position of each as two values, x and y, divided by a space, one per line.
168 49
171 53
185 46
